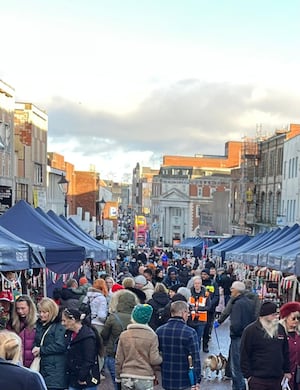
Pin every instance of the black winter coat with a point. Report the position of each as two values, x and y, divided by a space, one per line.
159 300
82 358
242 314
53 353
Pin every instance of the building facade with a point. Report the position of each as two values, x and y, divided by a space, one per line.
30 135
290 206
184 207
7 157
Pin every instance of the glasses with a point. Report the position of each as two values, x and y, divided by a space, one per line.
295 318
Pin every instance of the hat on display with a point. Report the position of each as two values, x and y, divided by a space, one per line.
288 308
142 313
267 308
140 279
239 286
6 296
117 287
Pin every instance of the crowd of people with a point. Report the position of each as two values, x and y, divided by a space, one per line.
148 325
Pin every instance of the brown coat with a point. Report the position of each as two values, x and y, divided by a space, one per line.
137 353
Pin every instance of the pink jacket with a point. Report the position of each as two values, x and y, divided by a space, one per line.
27 337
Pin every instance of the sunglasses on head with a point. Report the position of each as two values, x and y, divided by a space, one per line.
68 314
23 298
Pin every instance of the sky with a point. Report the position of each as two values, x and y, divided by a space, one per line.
127 81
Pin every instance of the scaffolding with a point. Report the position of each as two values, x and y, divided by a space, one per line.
250 155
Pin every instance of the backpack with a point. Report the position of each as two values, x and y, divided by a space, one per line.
85 308
161 317
115 347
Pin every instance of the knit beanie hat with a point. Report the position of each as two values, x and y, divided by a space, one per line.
140 279
142 313
205 271
288 308
239 286
267 308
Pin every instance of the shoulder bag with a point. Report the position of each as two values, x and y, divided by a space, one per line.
36 363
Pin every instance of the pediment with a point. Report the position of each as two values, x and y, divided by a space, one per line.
174 194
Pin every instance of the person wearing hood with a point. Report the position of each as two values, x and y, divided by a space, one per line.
96 296
159 300
137 357
50 345
171 279
116 323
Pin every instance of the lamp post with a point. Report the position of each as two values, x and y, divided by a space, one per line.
100 208
63 184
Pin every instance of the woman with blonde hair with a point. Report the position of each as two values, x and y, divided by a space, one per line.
13 376
23 321
50 344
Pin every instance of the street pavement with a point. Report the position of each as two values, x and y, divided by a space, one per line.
222 334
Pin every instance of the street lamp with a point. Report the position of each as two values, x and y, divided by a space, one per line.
100 208
63 184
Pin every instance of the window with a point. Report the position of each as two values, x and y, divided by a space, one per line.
284 170
200 192
198 211
38 174
296 167
279 161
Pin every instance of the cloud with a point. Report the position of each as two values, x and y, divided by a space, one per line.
185 118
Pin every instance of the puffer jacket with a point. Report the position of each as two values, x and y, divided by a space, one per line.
82 358
112 327
98 305
137 354
53 353
27 337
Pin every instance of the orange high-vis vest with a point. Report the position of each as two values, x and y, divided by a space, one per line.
196 312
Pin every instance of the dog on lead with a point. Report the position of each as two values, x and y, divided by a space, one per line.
214 366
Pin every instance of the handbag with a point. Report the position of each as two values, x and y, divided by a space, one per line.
36 363
297 374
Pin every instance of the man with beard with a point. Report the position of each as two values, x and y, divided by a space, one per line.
265 351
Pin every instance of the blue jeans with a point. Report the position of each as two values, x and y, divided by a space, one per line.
200 331
238 381
110 365
83 388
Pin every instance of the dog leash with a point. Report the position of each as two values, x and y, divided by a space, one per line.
217 338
